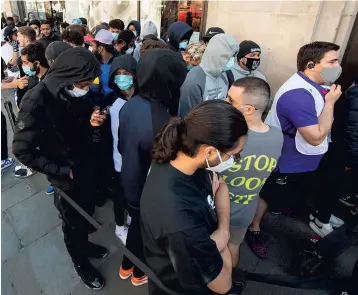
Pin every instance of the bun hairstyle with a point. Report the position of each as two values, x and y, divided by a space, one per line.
214 123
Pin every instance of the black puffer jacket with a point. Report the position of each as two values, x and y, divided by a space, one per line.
53 133
351 130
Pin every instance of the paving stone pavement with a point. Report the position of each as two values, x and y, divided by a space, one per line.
35 261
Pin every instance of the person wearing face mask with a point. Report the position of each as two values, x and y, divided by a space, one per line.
57 134
179 34
160 73
209 80
35 67
35 24
125 42
303 110
185 208
193 54
135 27
115 27
123 82
258 159
247 61
102 48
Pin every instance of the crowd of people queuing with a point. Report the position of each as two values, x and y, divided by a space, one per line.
185 138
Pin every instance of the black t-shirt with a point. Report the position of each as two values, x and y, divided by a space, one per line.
45 41
178 217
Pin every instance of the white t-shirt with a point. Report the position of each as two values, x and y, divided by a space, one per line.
6 54
114 113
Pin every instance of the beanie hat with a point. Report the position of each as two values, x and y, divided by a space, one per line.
55 49
246 47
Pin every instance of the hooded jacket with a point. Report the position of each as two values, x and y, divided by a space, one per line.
116 99
160 73
137 43
149 28
177 32
53 133
239 72
351 126
208 80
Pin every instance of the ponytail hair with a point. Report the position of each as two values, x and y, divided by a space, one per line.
214 123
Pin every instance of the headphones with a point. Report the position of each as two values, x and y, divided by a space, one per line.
310 65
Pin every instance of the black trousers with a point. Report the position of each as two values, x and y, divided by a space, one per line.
134 242
75 227
4 149
118 201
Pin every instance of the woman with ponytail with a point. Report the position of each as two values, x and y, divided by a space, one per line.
185 208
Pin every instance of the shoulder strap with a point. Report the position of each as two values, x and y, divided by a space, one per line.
230 77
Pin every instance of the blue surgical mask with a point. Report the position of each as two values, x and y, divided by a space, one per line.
115 36
190 67
183 45
229 64
28 71
124 82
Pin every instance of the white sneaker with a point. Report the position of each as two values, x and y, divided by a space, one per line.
23 172
335 221
121 233
129 220
322 229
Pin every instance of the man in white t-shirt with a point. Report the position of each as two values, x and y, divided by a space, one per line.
10 51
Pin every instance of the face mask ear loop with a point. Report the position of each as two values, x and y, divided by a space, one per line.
219 156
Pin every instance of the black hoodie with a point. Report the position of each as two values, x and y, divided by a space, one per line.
177 32
137 26
53 133
160 74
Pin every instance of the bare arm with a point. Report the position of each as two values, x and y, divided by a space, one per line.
315 134
222 204
223 282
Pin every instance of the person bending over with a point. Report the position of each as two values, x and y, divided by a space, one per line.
185 208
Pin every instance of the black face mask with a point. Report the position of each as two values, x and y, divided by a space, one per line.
252 63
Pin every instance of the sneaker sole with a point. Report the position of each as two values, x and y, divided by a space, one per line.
316 229
334 225
94 289
20 176
346 203
50 193
125 277
139 284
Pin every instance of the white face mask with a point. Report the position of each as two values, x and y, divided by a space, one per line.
77 92
135 33
224 165
37 32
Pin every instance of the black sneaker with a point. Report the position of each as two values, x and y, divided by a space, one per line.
89 276
350 200
96 251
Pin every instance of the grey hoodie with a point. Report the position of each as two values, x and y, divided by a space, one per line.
239 72
208 80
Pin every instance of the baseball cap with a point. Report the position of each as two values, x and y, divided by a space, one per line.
91 36
211 32
104 36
